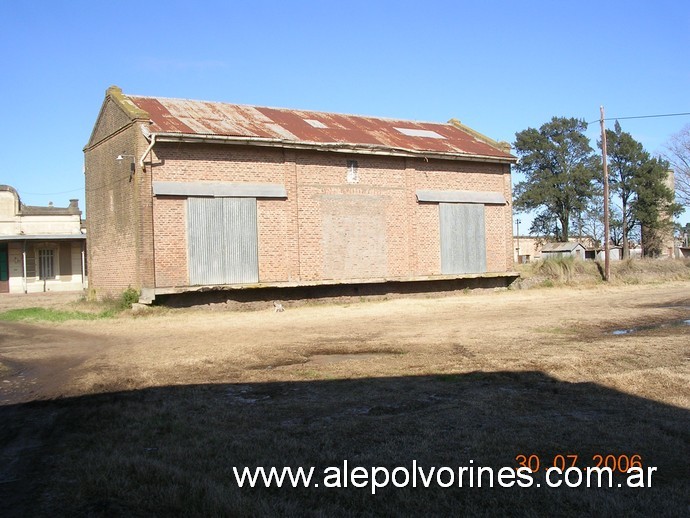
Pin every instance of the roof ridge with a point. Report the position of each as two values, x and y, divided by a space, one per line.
498 144
124 102
224 119
283 108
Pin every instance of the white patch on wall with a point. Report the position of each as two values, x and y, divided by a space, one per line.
352 172
414 132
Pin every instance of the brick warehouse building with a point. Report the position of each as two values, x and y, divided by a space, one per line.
188 195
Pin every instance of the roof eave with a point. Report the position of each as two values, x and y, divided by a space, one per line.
338 147
42 237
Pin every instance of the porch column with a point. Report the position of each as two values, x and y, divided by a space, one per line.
24 268
83 267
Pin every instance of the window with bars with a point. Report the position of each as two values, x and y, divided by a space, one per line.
46 264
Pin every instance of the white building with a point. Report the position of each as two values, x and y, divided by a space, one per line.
41 248
568 249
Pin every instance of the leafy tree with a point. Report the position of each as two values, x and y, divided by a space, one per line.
559 167
654 206
544 224
641 184
678 154
626 157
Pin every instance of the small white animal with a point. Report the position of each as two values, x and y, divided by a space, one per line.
277 306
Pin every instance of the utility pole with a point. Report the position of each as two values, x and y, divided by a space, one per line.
607 264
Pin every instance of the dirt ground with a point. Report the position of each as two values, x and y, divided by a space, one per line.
566 333
154 407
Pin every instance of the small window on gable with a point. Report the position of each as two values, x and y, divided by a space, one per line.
315 124
352 172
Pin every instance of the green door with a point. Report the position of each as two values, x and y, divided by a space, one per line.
4 269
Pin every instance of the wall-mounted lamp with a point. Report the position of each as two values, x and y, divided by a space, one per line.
131 165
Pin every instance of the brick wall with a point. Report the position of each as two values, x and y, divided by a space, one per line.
118 206
171 241
305 237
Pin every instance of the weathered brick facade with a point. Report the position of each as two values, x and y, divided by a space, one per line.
330 226
120 201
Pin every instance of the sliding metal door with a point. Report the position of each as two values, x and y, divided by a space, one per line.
463 238
222 236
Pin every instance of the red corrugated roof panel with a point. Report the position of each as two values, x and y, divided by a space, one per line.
187 117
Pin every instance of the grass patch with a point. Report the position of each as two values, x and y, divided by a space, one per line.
122 302
559 330
576 272
563 269
87 309
51 315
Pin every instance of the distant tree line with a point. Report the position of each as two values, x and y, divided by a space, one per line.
564 185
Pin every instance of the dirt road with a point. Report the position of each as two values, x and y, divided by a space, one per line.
170 398
565 333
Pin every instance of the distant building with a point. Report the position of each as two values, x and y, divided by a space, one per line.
553 250
527 248
190 195
533 248
41 248
683 243
599 254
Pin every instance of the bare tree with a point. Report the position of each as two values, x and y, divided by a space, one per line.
678 155
591 222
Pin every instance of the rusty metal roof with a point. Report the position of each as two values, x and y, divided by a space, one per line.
214 119
561 247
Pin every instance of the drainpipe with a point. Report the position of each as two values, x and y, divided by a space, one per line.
148 150
152 143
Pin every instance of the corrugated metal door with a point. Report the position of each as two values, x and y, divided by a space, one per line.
222 236
463 238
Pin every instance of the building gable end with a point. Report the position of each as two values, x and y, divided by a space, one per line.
117 112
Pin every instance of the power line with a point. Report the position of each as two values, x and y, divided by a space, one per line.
642 117
51 193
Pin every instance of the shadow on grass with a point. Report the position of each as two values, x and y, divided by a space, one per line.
170 450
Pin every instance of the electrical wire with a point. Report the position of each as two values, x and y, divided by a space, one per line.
51 193
642 117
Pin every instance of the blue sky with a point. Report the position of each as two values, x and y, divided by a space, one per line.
498 66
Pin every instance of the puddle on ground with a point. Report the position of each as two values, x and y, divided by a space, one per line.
675 323
322 359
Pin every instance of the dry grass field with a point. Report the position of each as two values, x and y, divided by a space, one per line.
147 414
